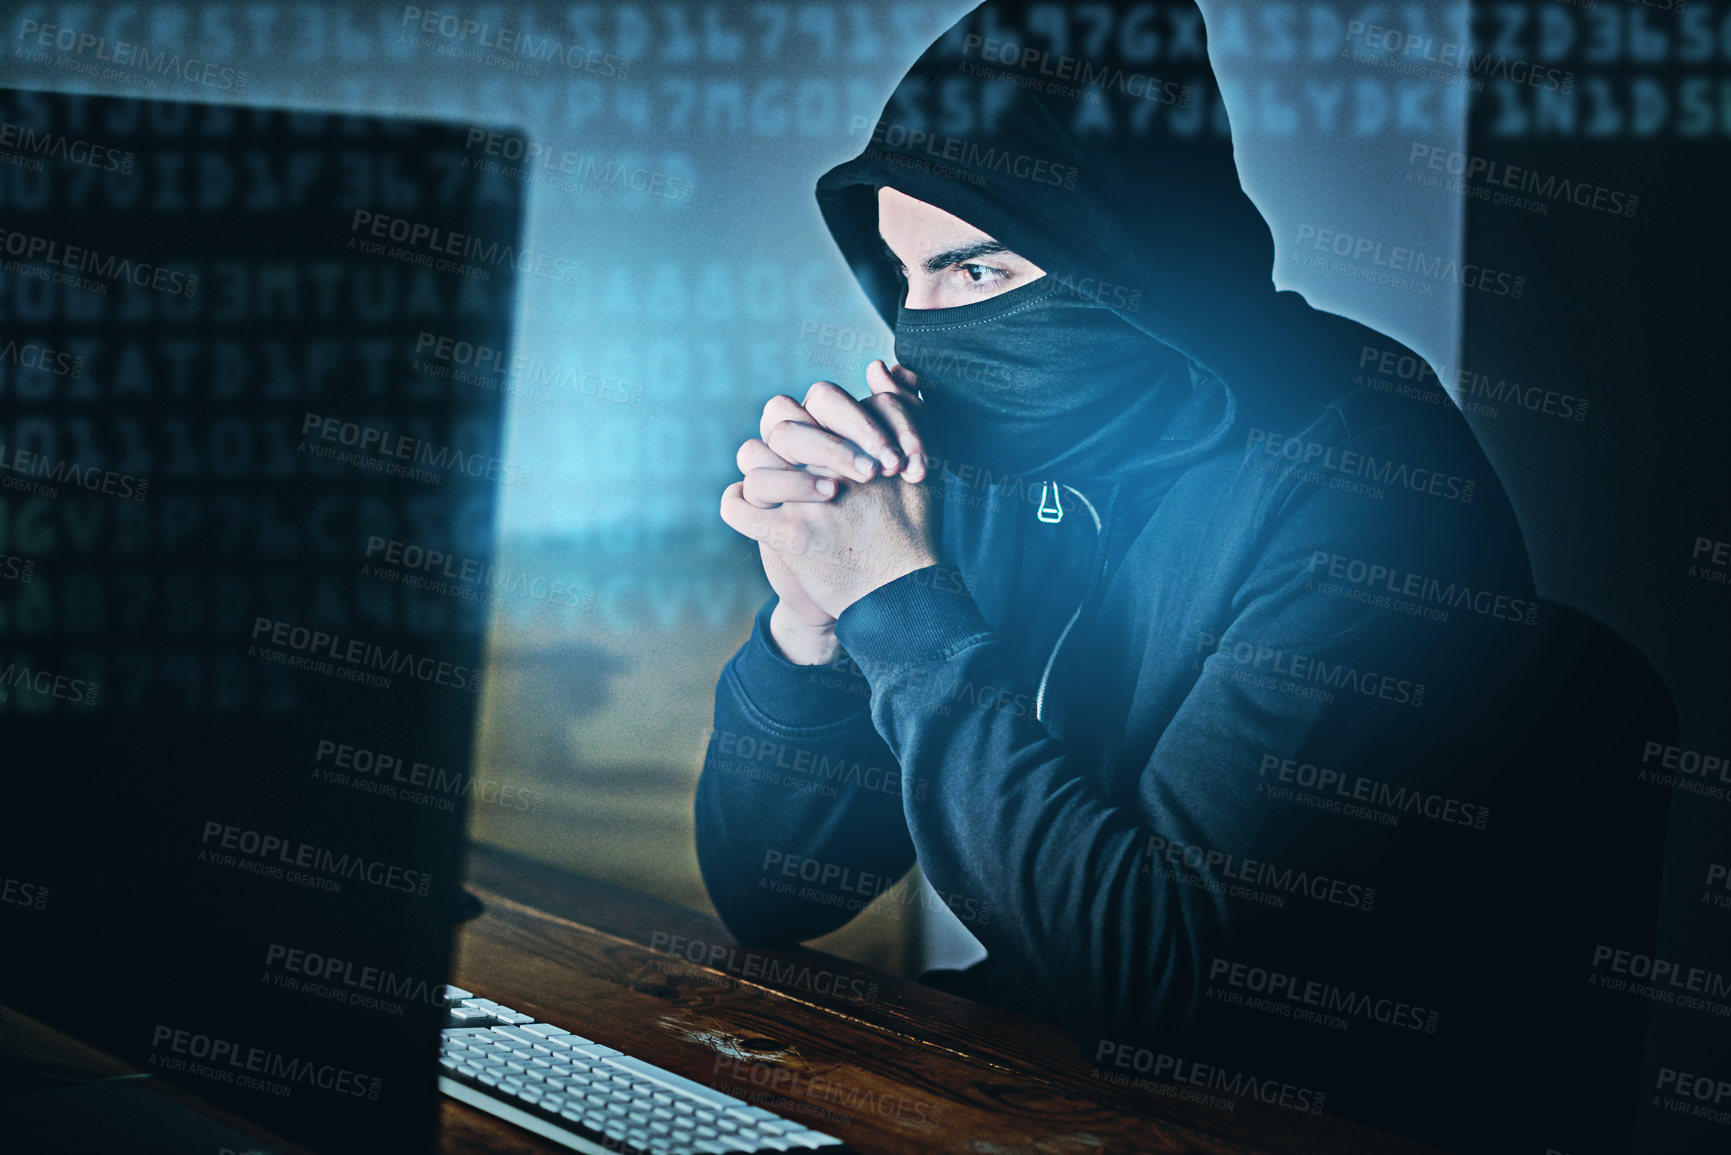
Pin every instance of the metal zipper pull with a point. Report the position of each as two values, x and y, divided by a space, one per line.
1054 513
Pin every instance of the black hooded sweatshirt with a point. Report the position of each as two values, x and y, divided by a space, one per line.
1207 725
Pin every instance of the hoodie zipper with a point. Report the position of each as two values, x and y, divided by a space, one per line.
1046 674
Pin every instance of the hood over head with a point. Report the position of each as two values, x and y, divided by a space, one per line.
1091 150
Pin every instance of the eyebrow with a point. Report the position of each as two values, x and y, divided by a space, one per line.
940 261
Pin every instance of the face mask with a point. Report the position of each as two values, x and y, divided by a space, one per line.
1039 383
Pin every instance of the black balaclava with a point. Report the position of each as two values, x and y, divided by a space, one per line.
1039 382
1107 161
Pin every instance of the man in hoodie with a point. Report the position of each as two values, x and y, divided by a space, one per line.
1188 669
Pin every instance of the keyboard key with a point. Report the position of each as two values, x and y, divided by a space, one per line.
674 1082
515 1036
467 1016
544 1029
456 994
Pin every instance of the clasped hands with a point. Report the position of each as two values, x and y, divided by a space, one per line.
837 496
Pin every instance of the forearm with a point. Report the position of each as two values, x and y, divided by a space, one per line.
1112 906
798 807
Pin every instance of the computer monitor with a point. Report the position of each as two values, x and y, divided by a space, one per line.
251 366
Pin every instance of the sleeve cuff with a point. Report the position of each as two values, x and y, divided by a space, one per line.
793 695
909 621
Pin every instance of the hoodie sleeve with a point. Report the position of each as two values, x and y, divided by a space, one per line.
1113 906
799 804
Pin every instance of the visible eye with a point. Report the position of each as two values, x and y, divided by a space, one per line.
977 277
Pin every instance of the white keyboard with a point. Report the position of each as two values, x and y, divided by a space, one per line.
592 1098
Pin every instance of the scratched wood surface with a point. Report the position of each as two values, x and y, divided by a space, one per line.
910 1070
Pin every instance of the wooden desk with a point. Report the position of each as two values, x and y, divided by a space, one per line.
904 1070
885 1064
